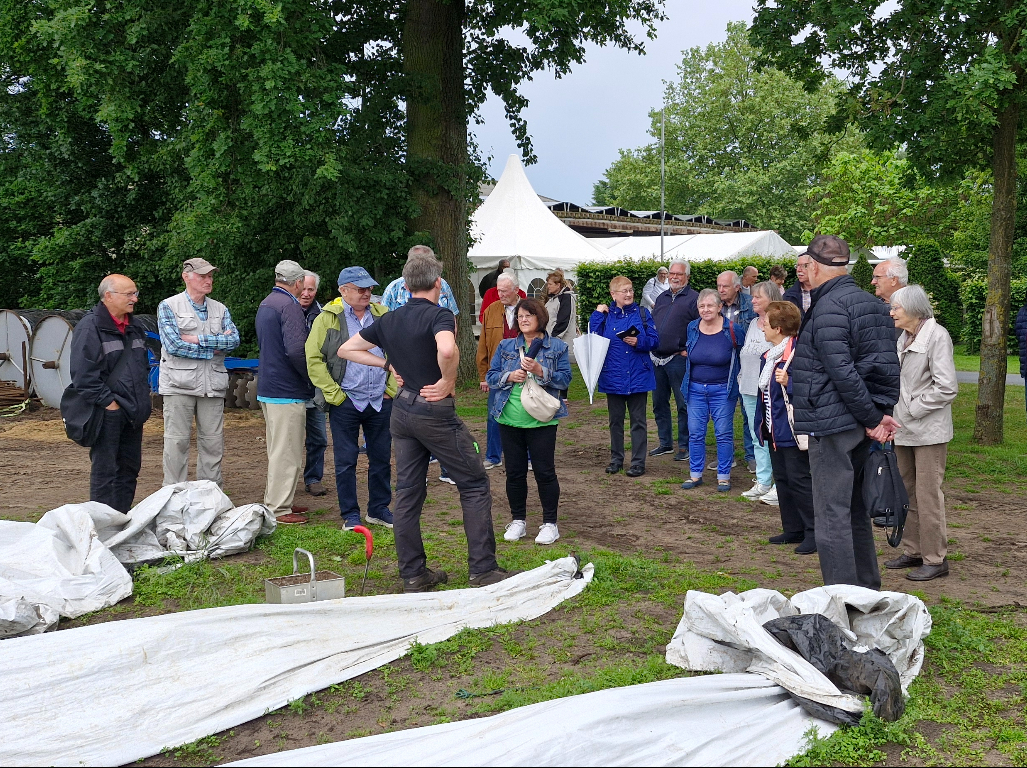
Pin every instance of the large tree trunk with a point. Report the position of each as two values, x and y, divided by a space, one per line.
991 391
433 62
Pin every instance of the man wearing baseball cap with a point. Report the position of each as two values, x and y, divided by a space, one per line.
195 334
845 376
355 396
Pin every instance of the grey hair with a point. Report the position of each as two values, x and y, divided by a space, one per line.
507 275
317 278
106 286
421 272
709 293
914 301
897 269
421 250
288 272
768 290
688 267
662 269
734 276
754 269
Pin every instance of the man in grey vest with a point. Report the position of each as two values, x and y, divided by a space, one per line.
195 334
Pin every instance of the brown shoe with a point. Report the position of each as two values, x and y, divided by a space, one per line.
928 572
316 489
904 561
300 510
291 519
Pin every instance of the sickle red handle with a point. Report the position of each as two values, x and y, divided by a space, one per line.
368 540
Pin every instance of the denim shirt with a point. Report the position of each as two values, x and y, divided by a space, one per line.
556 370
737 336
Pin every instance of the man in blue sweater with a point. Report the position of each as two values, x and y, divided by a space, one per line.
283 388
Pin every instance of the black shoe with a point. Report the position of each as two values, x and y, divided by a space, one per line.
426 582
662 449
928 572
787 538
637 470
881 522
613 468
491 577
904 561
808 547
681 456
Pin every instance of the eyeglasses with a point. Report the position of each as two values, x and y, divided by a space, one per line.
126 293
358 290
626 291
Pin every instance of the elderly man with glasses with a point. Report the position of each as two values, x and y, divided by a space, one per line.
195 333
101 372
355 396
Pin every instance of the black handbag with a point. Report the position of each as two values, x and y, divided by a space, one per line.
884 493
82 416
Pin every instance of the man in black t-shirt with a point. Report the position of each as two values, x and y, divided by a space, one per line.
419 341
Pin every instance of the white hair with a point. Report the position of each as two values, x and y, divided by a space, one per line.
688 267
506 275
317 278
914 300
734 276
897 268
288 272
106 286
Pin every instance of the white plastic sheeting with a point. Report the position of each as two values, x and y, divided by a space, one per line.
111 693
19 616
713 720
725 634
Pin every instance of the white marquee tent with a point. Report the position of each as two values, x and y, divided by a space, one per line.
706 247
513 223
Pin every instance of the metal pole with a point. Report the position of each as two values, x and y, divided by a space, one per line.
663 175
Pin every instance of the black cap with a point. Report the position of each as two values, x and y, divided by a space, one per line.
828 249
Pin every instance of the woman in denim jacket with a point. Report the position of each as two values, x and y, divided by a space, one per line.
521 433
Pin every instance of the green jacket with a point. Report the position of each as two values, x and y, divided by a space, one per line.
324 366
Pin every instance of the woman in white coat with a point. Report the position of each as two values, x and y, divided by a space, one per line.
926 391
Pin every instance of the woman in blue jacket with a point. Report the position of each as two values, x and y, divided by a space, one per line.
627 377
522 434
790 462
710 387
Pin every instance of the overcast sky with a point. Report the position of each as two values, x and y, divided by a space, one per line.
578 123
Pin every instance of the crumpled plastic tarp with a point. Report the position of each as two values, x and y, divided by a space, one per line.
72 561
724 633
112 693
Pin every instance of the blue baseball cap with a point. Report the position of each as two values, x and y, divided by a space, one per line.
358 276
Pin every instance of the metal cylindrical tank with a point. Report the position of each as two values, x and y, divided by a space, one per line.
51 358
15 333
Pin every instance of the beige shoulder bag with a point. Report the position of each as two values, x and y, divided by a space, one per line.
538 403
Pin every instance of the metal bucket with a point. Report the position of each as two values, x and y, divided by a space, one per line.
315 586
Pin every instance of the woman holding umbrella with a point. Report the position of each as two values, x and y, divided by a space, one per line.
627 377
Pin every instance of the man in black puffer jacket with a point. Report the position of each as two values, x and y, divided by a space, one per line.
846 381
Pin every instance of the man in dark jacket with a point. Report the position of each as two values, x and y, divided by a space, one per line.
799 292
100 339
283 387
1021 340
846 381
674 309
317 430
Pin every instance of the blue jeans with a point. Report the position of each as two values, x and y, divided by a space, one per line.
493 441
764 469
317 443
668 379
346 422
750 452
705 402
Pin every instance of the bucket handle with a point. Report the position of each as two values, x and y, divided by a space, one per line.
313 572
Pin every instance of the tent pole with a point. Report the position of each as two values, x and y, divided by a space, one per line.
663 175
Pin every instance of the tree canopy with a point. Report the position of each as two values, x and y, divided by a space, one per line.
740 142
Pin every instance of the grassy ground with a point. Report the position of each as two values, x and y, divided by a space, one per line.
967 707
966 362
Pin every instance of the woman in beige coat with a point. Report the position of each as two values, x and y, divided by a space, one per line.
926 391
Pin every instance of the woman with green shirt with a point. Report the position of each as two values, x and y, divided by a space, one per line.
521 433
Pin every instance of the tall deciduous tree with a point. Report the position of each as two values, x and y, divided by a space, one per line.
740 143
944 77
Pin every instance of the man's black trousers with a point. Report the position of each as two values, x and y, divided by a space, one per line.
116 458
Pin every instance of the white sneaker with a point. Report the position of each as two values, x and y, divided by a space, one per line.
491 465
757 491
529 466
547 534
515 530
770 497
447 479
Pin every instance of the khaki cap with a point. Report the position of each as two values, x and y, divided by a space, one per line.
199 266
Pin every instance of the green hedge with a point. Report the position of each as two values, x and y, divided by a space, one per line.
927 269
593 278
863 273
974 293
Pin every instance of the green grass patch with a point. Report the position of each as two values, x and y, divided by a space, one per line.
1003 463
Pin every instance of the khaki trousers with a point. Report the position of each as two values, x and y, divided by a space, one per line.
179 413
285 430
923 469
